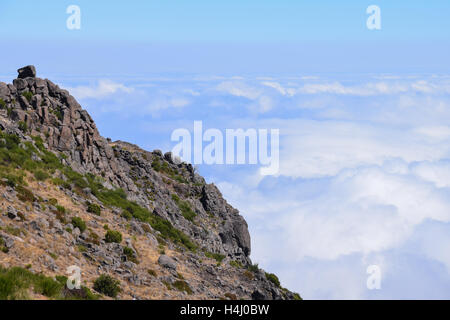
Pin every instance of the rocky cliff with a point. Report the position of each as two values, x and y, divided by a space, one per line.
64 186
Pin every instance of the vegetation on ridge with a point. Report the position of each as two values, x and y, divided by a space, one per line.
17 156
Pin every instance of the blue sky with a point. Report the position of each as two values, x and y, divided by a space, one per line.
363 118
231 36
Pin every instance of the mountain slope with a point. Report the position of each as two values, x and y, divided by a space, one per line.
67 193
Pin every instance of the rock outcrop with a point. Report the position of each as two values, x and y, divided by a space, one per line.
27 72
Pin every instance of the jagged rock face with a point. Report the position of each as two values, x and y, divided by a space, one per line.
53 113
148 178
213 202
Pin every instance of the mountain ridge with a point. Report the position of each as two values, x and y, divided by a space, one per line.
144 194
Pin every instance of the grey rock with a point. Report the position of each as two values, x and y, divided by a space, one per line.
12 212
27 71
20 84
167 262
76 233
169 157
261 295
129 265
36 206
136 227
8 241
136 279
34 225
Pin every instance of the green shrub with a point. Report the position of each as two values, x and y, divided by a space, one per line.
169 232
82 248
60 208
273 278
216 256
236 264
60 213
28 95
156 165
2 246
297 296
24 194
113 236
61 279
41 175
131 256
93 238
126 215
15 283
180 276
60 182
107 285
47 286
53 255
253 268
2 104
185 208
164 168
181 285
79 223
57 113
94 208
23 126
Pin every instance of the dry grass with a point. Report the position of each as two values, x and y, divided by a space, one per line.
31 249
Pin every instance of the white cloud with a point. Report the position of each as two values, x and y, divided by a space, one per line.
323 148
436 132
164 102
104 88
433 241
261 102
276 86
355 192
323 238
239 89
437 173
376 88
